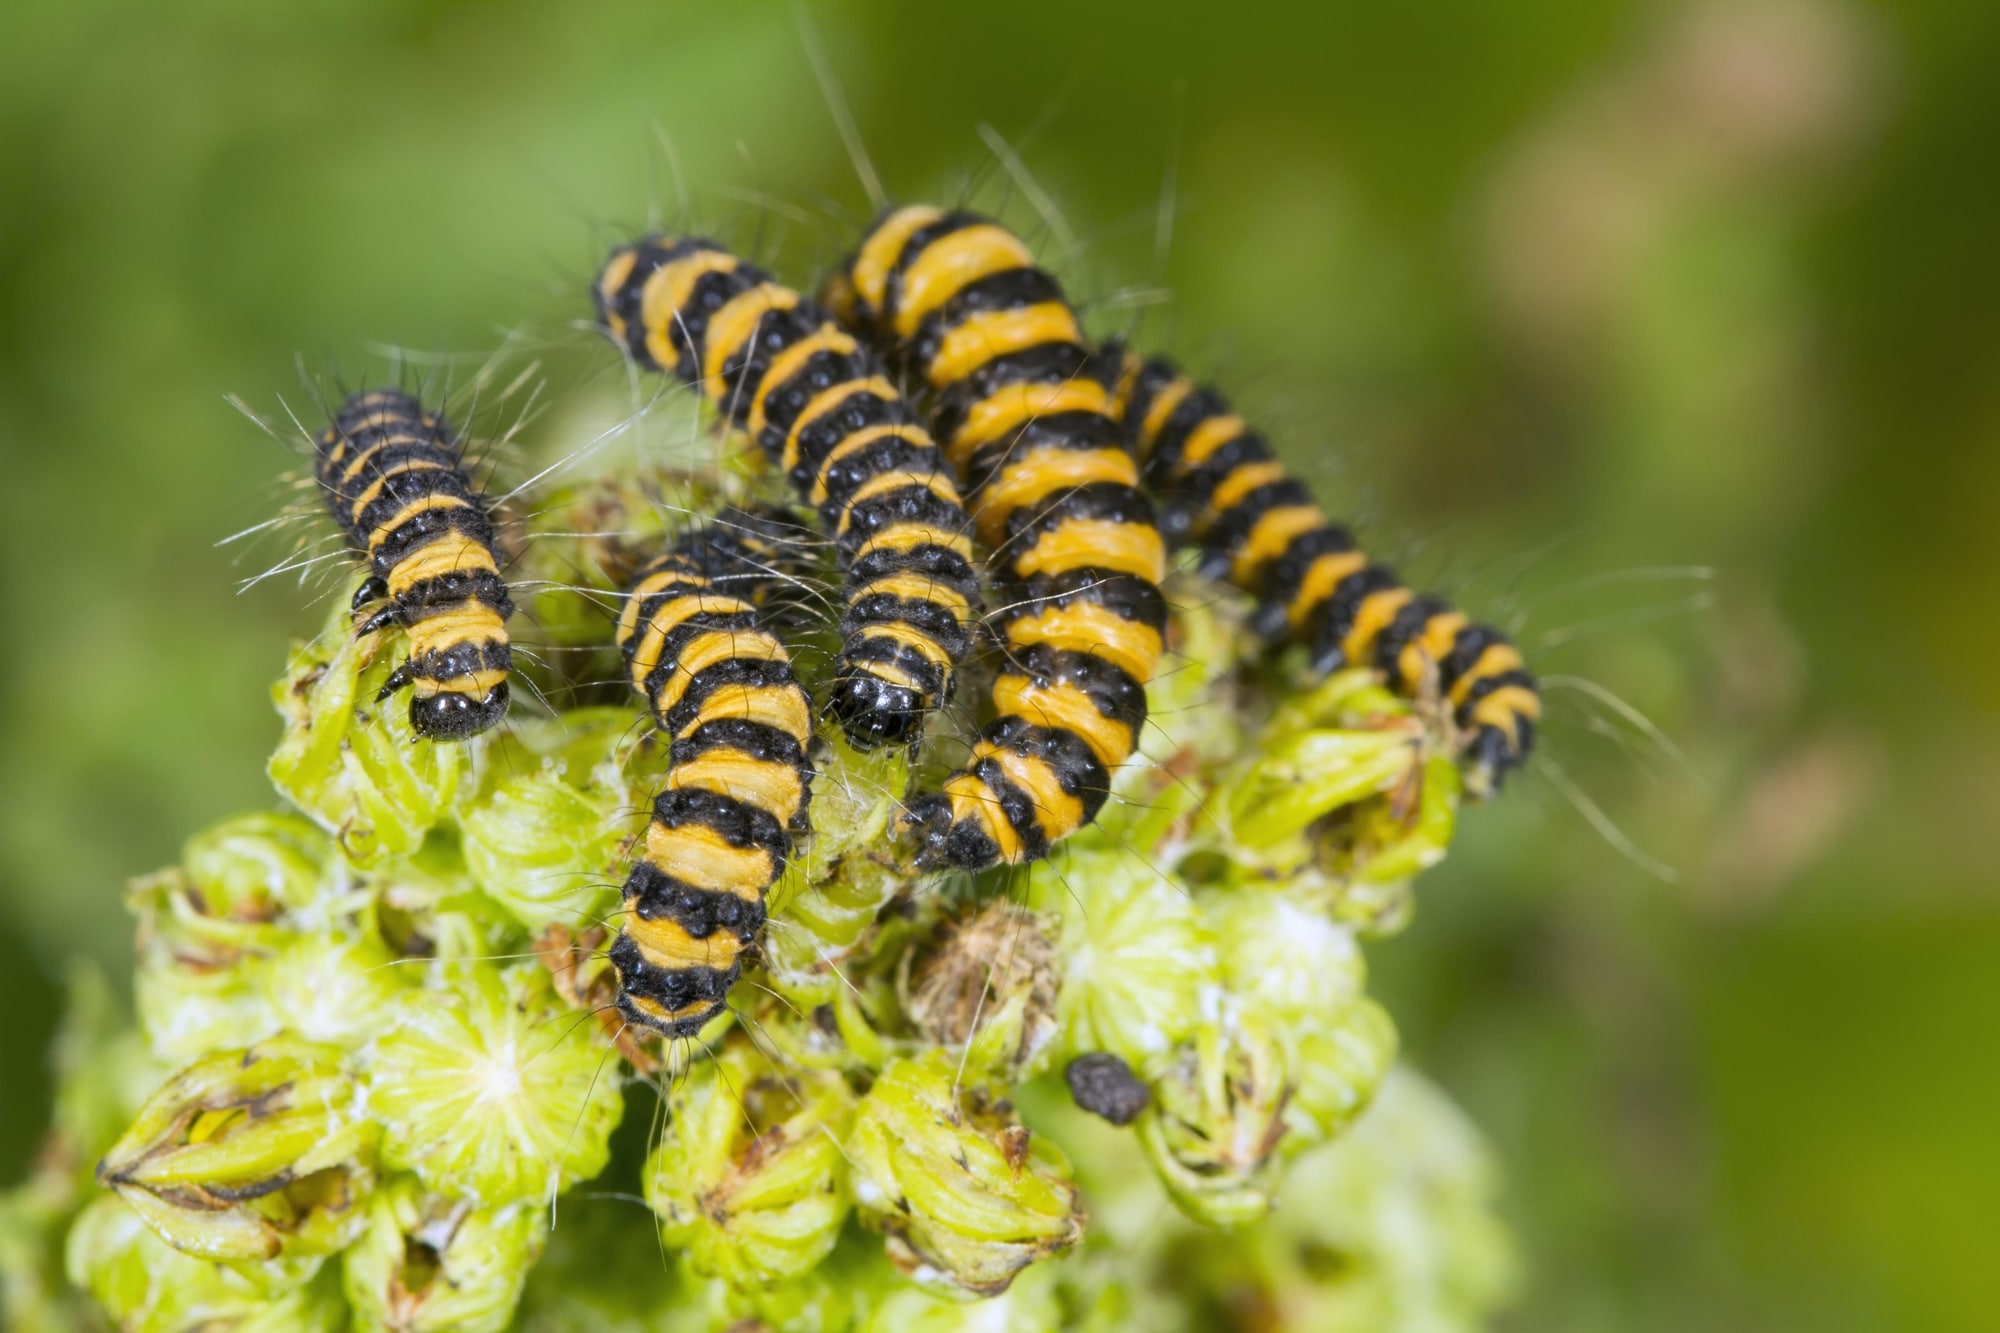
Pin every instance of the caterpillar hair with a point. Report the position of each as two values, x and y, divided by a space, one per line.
738 789
817 403
1224 491
394 479
1055 496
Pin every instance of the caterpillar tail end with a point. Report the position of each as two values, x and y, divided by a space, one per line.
943 843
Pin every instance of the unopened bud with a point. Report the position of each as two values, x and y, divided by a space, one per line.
964 1196
1217 1117
250 1154
986 990
749 1179
427 1262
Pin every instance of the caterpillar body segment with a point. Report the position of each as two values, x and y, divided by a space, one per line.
394 480
1054 494
1256 525
739 787
817 403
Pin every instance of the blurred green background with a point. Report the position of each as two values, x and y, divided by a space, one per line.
1566 303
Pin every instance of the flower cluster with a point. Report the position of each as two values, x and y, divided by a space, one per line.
375 1047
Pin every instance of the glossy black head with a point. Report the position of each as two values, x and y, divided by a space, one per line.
453 717
873 712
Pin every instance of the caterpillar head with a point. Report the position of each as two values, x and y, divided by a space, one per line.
450 716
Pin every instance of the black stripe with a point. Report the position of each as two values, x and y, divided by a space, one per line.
1069 757
1486 685
742 374
865 650
1110 688
654 895
757 740
1284 575
1015 806
824 433
1197 485
1078 432
672 988
1045 363
463 658
424 529
1126 595
821 371
937 620
1466 650
1009 289
736 822
1226 536
1108 501
1405 629
913 246
892 453
1333 619
1188 414
894 509
676 640
941 564
753 672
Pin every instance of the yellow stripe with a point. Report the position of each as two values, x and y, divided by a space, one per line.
1014 405
1504 706
916 587
908 536
826 338
826 400
952 263
1321 578
1059 813
973 803
698 855
362 458
869 273
666 1017
1129 366
913 638
468 622
990 334
1377 609
1091 628
646 655
1040 475
782 707
609 282
1096 543
1066 708
861 439
1205 439
667 291
1497 659
1239 483
374 488
1163 405
384 530
706 650
663 944
1433 644
451 554
730 327
1268 538
770 786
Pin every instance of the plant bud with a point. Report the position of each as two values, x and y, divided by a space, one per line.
492 1089
549 834
1136 958
250 1154
148 1286
748 1179
1217 1116
252 869
989 982
427 1262
964 1196
1304 776
1281 956
1337 1068
351 763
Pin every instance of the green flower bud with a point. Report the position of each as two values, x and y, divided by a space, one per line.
250 870
549 835
250 1154
1372 858
352 764
1303 776
989 982
1281 956
1136 959
427 1262
337 987
963 1195
1338 1067
146 1286
748 1178
1217 1116
492 1089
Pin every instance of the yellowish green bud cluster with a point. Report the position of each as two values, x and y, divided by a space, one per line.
378 1044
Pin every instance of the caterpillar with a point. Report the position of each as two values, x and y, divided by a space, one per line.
1055 497
1255 524
738 786
817 403
392 475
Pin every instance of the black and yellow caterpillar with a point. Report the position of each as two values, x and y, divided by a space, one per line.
1055 497
1255 524
393 477
738 788
851 446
